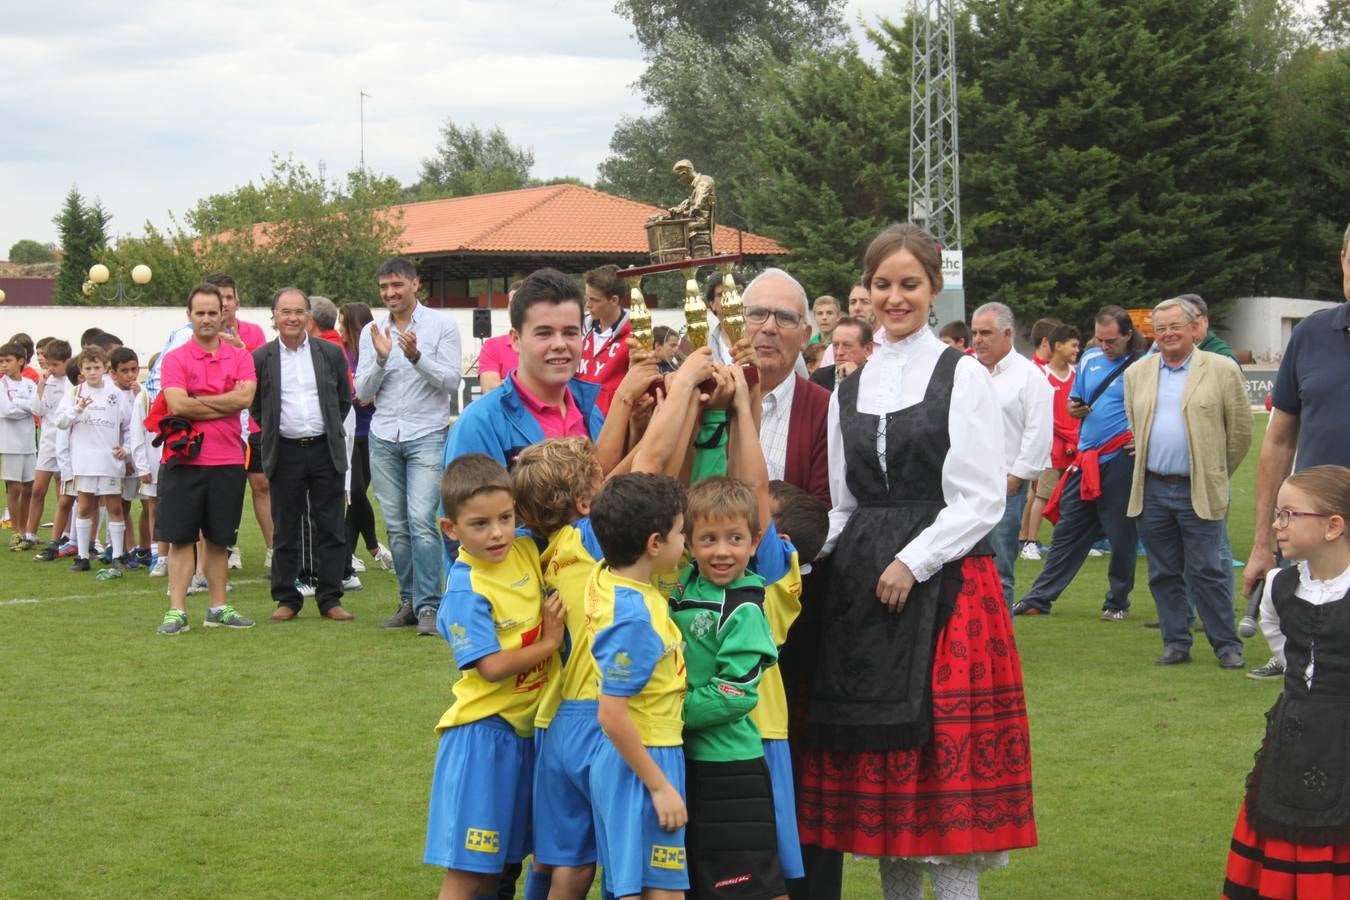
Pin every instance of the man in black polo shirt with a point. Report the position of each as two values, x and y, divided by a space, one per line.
1310 413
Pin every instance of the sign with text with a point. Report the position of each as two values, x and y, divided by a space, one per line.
1260 382
953 267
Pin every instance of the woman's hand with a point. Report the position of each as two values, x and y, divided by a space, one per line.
894 585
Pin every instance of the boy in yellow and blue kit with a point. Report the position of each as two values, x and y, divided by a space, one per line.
637 776
505 639
554 482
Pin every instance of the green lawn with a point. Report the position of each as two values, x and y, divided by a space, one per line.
293 761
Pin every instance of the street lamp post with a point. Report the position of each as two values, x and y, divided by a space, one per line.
99 275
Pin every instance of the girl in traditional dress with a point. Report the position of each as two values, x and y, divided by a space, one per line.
916 748
1292 837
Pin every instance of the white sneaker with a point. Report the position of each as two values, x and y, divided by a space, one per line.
160 567
267 560
235 561
197 585
383 557
1030 551
357 565
1095 552
351 584
304 587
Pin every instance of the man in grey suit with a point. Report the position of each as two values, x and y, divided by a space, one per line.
303 394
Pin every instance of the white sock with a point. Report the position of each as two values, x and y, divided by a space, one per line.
901 880
117 533
82 529
955 882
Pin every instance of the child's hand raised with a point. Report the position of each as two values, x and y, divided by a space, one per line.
670 808
555 620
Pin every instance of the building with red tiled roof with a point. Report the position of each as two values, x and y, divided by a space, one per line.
463 244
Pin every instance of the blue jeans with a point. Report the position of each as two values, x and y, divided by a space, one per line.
1004 538
407 479
1077 530
1182 548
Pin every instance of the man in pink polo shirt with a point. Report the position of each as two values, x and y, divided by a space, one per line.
207 381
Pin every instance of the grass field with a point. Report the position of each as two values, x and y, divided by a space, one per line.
293 760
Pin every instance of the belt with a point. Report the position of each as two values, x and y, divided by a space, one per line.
1169 479
305 441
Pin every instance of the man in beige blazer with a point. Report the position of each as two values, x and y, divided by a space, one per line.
1192 425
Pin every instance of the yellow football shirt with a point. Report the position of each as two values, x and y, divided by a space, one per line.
488 608
776 562
568 560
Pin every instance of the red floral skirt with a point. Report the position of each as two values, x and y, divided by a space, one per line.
966 791
1262 868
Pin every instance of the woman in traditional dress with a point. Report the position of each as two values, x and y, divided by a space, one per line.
1292 838
915 747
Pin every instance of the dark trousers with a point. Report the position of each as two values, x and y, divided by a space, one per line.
305 479
1176 541
1076 532
360 512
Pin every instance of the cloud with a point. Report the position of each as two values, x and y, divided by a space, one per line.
151 106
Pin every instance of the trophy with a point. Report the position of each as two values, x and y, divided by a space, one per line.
733 319
639 317
695 312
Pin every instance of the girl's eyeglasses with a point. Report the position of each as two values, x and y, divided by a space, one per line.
1284 516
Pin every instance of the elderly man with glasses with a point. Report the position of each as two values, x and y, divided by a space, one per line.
1192 427
792 428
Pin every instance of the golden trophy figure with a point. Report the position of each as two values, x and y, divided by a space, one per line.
685 231
639 317
695 312
733 319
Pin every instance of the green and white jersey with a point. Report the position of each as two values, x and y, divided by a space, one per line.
728 645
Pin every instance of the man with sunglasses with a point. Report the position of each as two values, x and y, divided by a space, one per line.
1192 425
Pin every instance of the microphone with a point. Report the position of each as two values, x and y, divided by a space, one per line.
1247 627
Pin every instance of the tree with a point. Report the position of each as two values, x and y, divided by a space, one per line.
828 157
708 62
310 232
1309 158
471 161
29 251
171 256
785 25
1113 153
83 231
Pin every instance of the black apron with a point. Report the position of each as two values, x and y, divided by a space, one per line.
872 689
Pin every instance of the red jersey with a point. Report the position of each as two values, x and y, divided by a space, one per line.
604 359
1065 443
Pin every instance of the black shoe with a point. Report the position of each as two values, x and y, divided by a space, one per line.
49 553
426 622
401 619
1172 658
1232 659
1023 608
81 564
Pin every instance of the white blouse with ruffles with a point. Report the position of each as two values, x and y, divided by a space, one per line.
974 476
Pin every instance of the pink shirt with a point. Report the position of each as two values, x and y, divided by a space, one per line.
253 338
564 421
205 374
498 356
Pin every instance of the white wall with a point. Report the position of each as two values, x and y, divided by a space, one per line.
145 329
1263 324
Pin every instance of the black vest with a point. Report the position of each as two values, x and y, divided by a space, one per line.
1299 790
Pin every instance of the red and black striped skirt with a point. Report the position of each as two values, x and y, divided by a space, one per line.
1265 868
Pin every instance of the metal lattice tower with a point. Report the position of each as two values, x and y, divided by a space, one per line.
934 175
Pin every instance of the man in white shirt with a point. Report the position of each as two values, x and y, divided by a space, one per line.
1026 401
302 398
409 365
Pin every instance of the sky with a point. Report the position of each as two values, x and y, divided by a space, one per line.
150 106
